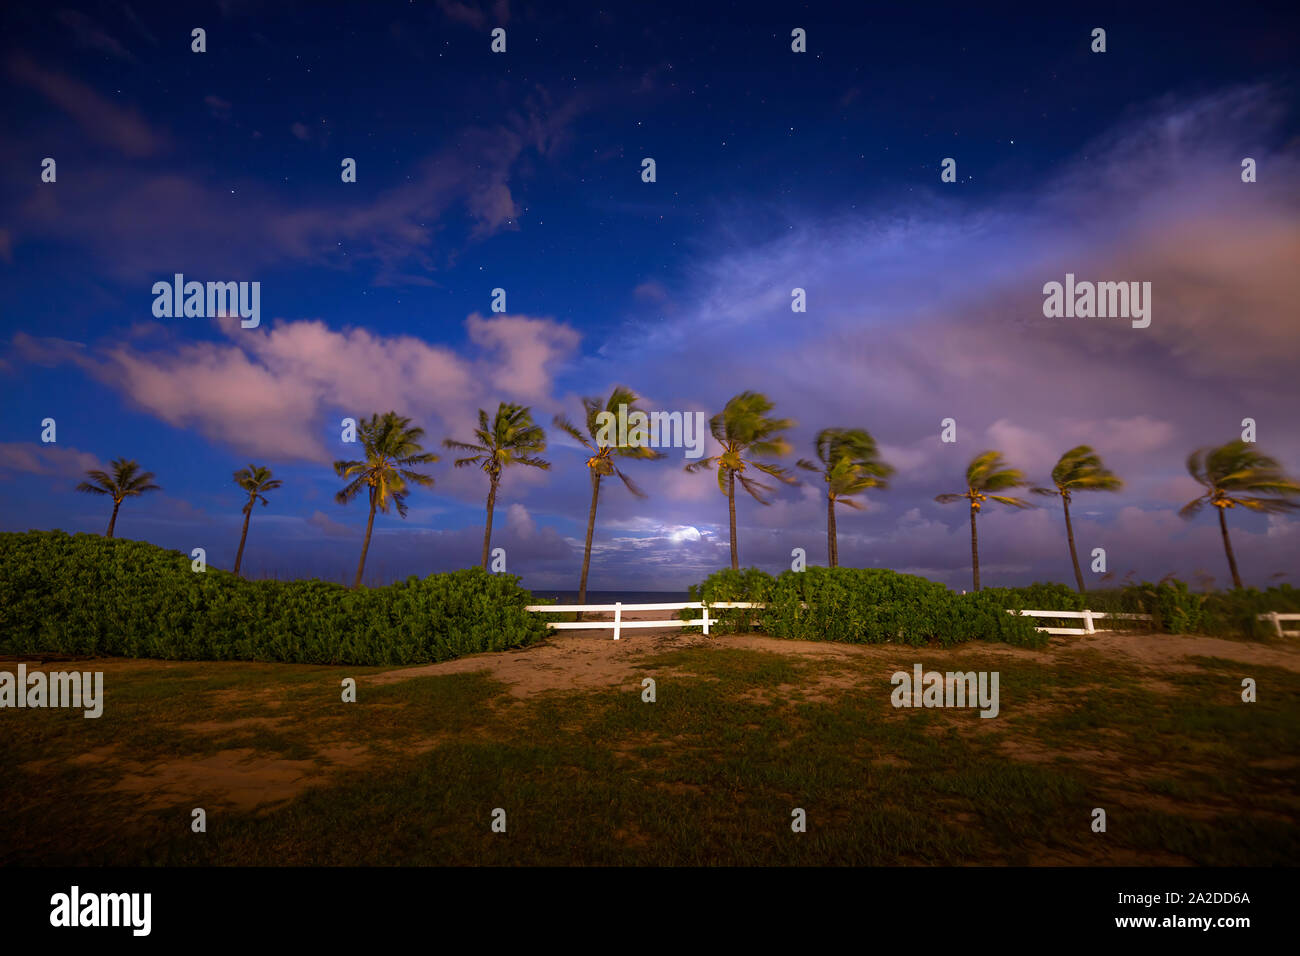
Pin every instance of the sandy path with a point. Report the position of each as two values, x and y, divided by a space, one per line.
567 660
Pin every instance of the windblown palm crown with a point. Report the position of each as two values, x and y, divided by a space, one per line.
1237 474
604 461
511 438
392 449
256 480
126 481
986 475
848 461
746 434
1079 469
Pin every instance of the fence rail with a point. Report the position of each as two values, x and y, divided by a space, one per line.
1277 620
618 625
1089 617
618 607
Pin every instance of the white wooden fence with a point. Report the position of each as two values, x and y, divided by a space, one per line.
618 625
1277 620
1089 617
618 607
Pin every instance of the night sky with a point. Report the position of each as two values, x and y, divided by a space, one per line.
775 170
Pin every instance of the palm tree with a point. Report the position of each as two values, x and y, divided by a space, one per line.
848 462
1079 469
510 439
745 432
1233 468
392 448
256 480
986 474
126 481
603 462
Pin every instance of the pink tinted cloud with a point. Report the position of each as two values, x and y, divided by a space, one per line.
938 313
529 352
474 14
37 458
280 392
123 129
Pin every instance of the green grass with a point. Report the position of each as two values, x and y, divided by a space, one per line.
708 774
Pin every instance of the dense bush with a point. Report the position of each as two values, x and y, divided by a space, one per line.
871 605
750 584
861 606
1039 596
1051 596
85 594
1173 607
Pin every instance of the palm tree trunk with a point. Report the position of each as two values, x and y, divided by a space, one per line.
1227 546
113 520
974 548
239 555
365 545
731 511
1069 534
832 540
591 527
487 531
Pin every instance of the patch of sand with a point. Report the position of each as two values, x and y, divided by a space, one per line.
237 778
1162 650
240 778
565 661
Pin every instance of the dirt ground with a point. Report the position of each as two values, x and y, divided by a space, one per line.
592 660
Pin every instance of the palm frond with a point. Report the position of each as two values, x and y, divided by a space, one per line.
533 463
1270 506
1013 502
571 430
631 485
756 489
351 490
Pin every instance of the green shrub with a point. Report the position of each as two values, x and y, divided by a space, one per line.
869 605
1040 597
750 584
89 595
1173 608
861 606
1053 596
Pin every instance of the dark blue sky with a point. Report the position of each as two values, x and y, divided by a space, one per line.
522 171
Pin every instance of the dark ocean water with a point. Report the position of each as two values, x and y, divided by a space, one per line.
609 597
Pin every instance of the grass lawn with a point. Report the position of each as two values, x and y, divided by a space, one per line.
744 729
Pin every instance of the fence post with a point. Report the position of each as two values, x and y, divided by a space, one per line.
1087 622
706 619
1277 623
618 617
